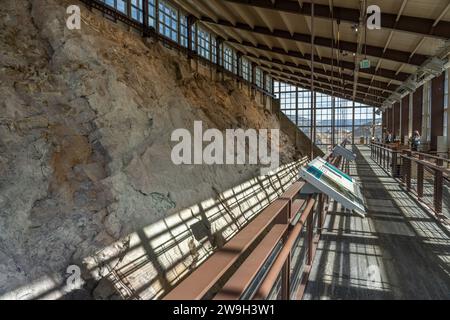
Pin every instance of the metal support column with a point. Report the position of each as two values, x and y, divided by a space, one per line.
190 22
239 64
128 3
420 178
296 106
157 16
145 32
394 165
263 96
408 171
353 122
314 137
219 41
310 236
438 186
333 121
320 209
253 79
179 26
372 134
312 126
437 110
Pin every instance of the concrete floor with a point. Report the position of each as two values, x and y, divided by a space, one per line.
397 252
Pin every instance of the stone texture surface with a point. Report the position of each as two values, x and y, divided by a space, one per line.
85 124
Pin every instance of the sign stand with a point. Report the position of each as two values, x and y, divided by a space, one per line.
345 153
322 177
309 189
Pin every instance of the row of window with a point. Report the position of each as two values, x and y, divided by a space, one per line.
168 16
203 42
324 117
295 102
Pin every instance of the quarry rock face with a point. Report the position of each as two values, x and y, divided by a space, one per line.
85 123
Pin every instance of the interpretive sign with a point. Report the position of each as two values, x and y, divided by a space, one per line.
345 153
326 178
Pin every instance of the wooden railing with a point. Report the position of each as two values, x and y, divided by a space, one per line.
416 170
263 261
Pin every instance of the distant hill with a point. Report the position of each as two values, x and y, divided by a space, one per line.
302 121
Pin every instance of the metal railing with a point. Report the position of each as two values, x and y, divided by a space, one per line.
388 157
422 174
428 172
270 258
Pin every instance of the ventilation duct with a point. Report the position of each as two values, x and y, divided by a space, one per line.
431 68
434 67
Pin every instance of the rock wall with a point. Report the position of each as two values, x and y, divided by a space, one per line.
85 124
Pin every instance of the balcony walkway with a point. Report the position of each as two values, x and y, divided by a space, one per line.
397 252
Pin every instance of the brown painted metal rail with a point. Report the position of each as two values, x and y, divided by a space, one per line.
388 157
202 280
256 262
281 265
430 156
412 167
437 170
248 271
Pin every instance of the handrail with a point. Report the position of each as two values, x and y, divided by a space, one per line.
387 156
205 277
277 267
400 149
249 270
428 164
386 146
254 250
426 155
447 153
404 168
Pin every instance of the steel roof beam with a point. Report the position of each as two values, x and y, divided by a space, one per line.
336 84
365 81
415 25
377 52
380 72
327 90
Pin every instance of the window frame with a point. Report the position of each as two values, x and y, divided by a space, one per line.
168 20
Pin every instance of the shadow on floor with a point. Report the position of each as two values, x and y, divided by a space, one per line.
396 252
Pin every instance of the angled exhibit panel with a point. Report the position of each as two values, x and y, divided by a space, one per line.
341 151
326 178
